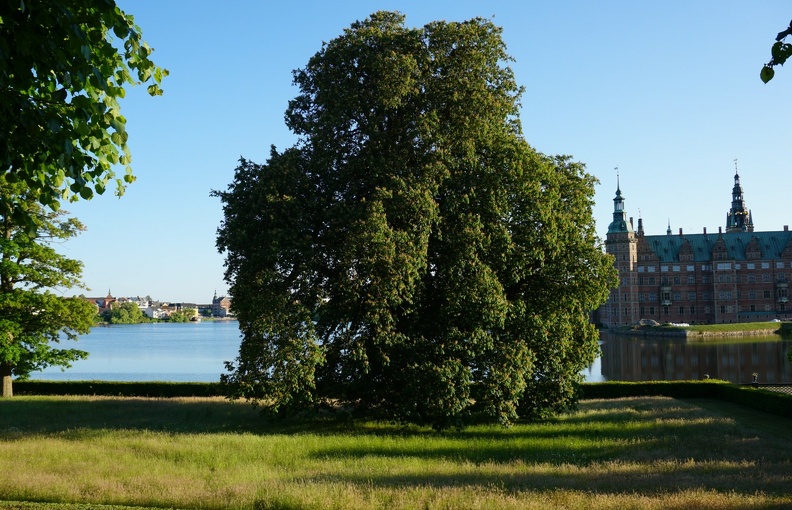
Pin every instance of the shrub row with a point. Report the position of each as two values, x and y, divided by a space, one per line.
759 399
119 389
756 398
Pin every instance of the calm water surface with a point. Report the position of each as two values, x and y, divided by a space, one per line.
197 352
152 352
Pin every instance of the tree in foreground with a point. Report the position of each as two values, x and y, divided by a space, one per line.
64 65
32 317
412 258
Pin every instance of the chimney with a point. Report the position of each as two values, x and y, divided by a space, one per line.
786 228
680 232
631 222
705 230
720 230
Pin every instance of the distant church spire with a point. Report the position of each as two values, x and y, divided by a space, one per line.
668 230
738 219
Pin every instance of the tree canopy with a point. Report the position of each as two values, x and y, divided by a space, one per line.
64 66
32 316
412 258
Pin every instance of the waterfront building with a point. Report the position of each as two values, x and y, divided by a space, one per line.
221 306
736 275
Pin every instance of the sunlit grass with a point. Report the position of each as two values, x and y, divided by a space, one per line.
202 453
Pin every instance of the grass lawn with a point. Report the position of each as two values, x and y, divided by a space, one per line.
72 453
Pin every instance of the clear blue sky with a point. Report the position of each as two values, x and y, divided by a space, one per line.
668 91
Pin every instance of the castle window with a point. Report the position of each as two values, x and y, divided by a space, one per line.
677 296
691 296
653 296
781 307
751 265
723 266
752 294
651 310
691 268
642 311
722 309
753 308
751 278
676 280
650 269
665 310
675 269
765 277
651 280
780 277
705 278
681 310
692 310
765 265
767 294
779 265
691 278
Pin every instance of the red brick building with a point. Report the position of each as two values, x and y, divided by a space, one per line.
736 275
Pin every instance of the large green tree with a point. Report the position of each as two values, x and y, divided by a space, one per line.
412 257
64 66
32 317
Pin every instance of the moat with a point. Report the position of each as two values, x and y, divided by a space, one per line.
197 352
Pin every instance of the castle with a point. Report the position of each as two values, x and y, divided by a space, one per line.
739 275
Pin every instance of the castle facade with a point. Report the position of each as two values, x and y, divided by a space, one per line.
734 275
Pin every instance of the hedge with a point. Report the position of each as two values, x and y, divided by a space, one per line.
120 389
755 398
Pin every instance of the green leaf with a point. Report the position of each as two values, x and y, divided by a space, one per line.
766 74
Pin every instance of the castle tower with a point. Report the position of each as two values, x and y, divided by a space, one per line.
622 306
738 219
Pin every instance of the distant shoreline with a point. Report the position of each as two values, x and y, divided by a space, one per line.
707 331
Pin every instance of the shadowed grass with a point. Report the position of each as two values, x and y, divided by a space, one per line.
651 452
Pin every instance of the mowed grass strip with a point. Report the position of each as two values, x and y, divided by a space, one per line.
651 452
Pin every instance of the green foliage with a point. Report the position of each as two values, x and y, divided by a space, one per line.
121 389
32 317
780 52
64 65
412 258
124 313
183 315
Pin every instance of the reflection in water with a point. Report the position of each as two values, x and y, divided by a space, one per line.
630 358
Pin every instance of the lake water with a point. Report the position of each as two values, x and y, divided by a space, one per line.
197 352
193 351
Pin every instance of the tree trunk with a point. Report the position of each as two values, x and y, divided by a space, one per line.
5 375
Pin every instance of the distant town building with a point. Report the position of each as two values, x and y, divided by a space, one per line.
734 276
221 306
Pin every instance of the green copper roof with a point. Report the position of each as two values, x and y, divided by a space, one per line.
772 244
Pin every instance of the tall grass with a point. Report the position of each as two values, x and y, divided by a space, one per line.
203 453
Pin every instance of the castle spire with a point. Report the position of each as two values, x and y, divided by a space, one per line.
738 219
619 223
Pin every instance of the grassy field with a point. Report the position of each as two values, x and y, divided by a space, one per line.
71 453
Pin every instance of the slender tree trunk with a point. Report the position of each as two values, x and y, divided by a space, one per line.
5 375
